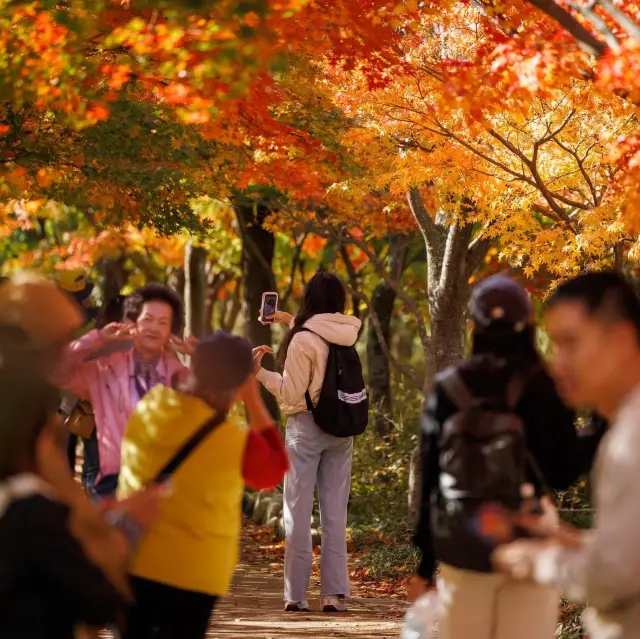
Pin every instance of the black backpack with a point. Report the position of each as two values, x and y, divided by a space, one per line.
343 406
483 458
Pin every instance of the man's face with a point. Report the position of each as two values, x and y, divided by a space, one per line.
589 353
154 326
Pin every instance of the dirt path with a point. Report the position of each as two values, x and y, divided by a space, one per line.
254 610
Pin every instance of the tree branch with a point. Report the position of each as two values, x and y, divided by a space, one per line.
600 25
632 29
401 368
585 175
537 179
353 275
455 254
583 36
294 267
477 252
328 231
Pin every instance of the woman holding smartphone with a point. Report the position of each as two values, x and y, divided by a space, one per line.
315 456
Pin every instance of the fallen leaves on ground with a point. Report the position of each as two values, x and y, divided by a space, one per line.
260 548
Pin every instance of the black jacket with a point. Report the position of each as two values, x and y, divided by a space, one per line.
561 452
47 585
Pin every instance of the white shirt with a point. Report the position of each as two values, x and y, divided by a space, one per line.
605 570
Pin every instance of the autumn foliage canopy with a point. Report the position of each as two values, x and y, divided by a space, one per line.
126 112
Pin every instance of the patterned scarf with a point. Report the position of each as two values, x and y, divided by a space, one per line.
145 374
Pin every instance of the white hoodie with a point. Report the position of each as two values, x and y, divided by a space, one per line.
306 361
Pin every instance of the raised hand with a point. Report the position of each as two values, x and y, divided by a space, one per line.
183 346
280 317
258 354
118 332
143 506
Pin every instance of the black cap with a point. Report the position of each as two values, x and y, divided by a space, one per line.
500 302
223 361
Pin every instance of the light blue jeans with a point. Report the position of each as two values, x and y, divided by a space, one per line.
316 457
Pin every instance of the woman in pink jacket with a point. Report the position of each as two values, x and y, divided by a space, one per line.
114 383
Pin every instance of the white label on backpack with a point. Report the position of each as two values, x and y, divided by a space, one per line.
352 398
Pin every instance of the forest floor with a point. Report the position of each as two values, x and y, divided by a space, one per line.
254 609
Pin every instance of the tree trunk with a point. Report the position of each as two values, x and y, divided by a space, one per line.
114 276
452 258
194 290
176 281
448 315
232 309
258 247
209 306
382 302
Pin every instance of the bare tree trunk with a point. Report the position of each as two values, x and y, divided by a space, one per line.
382 303
452 258
176 281
258 247
233 308
114 276
195 257
209 306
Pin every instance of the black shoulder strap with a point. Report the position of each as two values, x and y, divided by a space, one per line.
189 446
518 383
455 387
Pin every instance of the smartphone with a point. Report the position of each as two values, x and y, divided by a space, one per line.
269 307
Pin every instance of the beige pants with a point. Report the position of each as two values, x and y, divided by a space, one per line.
492 606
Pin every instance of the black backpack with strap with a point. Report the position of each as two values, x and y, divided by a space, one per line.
483 459
343 406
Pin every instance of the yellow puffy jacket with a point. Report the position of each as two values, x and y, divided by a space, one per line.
195 544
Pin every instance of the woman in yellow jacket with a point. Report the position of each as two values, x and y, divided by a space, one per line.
186 562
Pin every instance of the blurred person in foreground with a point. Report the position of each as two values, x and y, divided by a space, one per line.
37 321
114 383
48 585
504 374
186 562
594 324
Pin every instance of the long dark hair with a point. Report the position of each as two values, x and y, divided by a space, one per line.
324 293
516 348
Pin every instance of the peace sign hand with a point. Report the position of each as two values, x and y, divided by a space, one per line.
183 346
117 332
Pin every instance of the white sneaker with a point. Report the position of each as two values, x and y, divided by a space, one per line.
296 606
333 603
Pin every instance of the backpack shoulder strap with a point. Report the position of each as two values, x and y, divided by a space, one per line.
518 383
456 388
189 446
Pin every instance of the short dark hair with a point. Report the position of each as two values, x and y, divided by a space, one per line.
604 293
156 293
